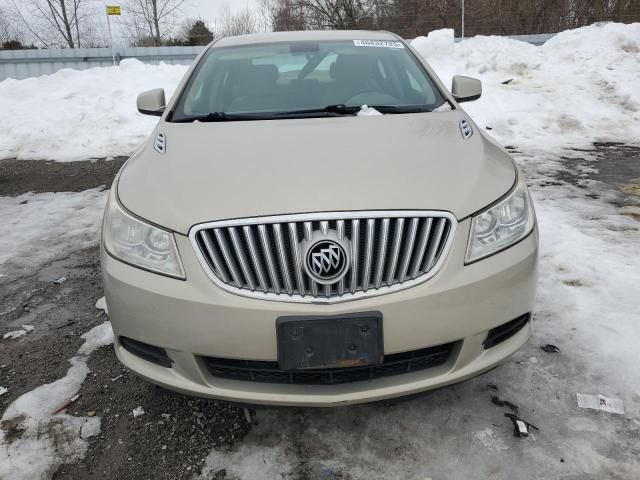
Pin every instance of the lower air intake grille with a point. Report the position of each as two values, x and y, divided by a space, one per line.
324 257
269 372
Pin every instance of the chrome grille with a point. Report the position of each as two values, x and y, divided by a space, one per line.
262 257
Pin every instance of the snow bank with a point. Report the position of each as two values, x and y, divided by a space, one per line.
39 227
33 441
80 114
579 87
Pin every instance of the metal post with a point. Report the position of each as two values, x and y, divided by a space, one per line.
113 55
462 36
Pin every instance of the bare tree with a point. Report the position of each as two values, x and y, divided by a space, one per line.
410 18
67 23
150 21
240 23
10 31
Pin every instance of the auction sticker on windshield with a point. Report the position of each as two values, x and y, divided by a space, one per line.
378 43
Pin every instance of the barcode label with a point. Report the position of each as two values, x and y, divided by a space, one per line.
378 43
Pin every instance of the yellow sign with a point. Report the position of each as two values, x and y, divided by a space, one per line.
113 10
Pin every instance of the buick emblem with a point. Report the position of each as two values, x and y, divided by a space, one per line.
326 259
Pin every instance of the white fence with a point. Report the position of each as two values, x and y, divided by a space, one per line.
21 64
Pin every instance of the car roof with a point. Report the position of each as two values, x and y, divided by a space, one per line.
309 35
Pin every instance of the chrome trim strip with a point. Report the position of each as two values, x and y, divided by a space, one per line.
308 218
408 251
434 245
282 257
264 239
253 251
422 247
383 251
308 233
295 248
368 253
395 250
227 258
355 245
235 241
341 231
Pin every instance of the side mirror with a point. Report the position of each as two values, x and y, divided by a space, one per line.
152 102
466 89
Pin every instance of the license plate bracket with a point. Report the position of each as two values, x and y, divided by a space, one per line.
336 341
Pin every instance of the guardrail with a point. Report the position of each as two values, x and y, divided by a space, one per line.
21 64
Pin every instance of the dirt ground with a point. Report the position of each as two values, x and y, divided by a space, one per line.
177 433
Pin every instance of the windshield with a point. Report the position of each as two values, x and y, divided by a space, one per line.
279 78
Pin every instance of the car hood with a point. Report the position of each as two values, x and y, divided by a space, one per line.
225 170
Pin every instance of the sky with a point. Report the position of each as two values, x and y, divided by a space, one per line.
209 10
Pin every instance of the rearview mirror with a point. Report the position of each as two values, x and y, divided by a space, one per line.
466 89
152 102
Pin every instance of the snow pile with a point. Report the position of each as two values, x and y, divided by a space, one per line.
76 115
438 42
42 226
33 441
579 87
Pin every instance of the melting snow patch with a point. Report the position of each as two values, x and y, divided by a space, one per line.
33 441
3 390
49 225
138 412
101 304
18 333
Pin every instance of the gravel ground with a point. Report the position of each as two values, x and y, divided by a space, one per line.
21 176
177 433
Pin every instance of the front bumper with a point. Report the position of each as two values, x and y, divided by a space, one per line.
193 319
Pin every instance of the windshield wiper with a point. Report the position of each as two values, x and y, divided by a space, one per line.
330 110
223 117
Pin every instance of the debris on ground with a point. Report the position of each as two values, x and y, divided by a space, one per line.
520 426
507 82
61 280
488 127
115 379
504 403
3 390
247 415
600 402
18 333
66 404
138 412
91 414
549 348
326 472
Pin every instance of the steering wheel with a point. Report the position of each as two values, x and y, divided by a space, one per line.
364 96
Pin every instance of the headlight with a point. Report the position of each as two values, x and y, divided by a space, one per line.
501 225
133 241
